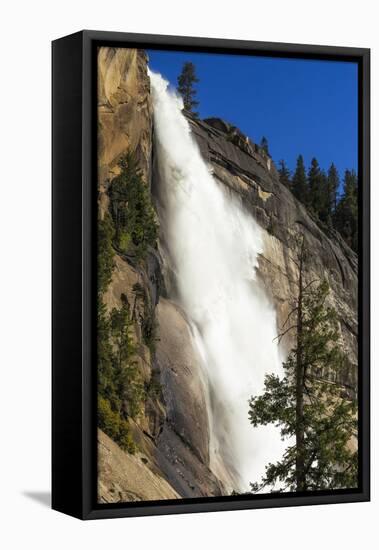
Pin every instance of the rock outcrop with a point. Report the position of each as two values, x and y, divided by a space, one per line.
124 113
124 478
244 168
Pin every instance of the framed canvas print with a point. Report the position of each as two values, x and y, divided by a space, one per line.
210 275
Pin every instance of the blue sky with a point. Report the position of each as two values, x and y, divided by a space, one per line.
301 106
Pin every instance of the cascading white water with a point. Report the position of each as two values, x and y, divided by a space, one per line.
213 245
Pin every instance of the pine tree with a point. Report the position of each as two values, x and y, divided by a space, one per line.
186 81
299 181
130 389
315 185
307 404
333 185
129 227
132 212
120 386
284 174
324 211
264 145
346 216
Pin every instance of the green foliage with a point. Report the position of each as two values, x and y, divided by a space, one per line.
308 406
284 174
105 235
324 198
129 384
264 145
149 324
299 181
116 427
319 196
109 420
319 193
186 81
125 438
333 185
150 328
131 229
120 387
124 240
346 214
132 212
315 187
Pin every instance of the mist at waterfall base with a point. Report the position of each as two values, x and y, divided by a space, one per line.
212 244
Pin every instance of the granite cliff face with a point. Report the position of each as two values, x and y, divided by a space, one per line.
172 431
172 434
245 169
124 110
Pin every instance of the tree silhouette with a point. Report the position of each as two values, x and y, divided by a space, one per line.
299 181
186 89
264 145
284 174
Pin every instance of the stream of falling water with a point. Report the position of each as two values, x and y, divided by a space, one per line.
213 245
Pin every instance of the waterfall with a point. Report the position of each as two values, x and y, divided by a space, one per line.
212 245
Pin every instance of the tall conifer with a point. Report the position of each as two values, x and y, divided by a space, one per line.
186 89
284 174
310 408
299 181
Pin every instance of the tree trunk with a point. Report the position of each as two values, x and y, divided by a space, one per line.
300 450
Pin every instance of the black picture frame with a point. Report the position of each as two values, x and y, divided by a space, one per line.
73 271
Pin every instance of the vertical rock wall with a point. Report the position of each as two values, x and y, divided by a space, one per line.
172 430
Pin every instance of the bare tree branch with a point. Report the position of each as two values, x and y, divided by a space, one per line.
280 336
288 316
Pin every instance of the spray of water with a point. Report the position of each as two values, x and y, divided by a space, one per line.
212 244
